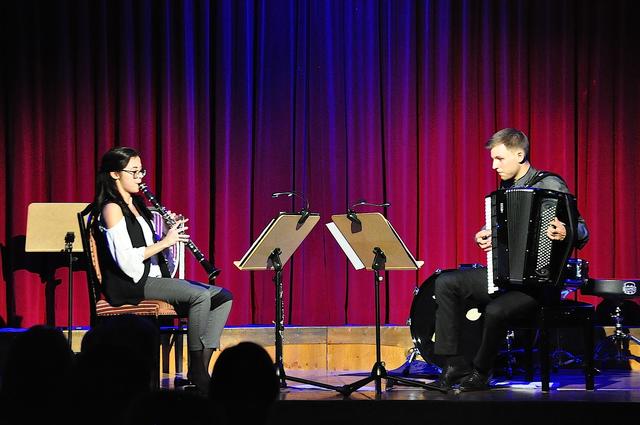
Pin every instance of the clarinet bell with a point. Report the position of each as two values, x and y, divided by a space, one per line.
214 273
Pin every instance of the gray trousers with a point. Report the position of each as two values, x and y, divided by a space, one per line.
206 319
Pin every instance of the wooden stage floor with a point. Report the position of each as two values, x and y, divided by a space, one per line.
343 355
616 398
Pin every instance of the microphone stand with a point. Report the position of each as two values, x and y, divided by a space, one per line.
275 262
378 371
68 248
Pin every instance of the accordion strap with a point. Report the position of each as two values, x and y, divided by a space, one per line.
541 175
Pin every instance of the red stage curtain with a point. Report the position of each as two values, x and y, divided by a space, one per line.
231 100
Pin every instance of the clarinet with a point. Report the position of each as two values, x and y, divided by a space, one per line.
211 270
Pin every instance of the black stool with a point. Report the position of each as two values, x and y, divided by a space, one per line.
564 314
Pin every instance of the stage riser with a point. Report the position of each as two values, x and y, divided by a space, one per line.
327 349
347 348
340 348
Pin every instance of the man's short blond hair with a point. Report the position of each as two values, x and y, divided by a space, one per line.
512 139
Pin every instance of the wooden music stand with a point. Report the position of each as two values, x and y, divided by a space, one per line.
51 227
271 250
371 243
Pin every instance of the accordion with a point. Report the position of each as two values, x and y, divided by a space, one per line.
521 253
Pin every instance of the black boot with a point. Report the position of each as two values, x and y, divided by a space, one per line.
197 372
206 357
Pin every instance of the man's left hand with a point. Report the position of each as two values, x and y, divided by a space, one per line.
557 230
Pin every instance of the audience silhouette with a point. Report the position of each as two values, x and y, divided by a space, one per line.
111 381
244 384
35 377
114 368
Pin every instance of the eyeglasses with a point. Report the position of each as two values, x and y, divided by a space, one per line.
136 174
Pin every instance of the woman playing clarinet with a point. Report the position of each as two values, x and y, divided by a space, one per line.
133 267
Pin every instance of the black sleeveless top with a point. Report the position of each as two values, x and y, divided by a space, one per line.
118 287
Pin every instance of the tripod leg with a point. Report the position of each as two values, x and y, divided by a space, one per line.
348 389
633 338
413 383
627 352
378 373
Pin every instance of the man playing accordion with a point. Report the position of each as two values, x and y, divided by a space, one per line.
510 159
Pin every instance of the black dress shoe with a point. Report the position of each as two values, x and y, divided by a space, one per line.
183 383
452 375
477 381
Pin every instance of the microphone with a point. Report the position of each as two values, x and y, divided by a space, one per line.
363 202
304 212
278 194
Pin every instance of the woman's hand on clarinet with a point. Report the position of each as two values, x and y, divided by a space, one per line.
176 232
483 239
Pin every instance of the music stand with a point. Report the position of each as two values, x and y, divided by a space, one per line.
271 250
369 238
51 227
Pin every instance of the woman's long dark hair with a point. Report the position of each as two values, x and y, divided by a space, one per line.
116 159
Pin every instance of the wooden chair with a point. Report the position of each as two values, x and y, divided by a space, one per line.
161 313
